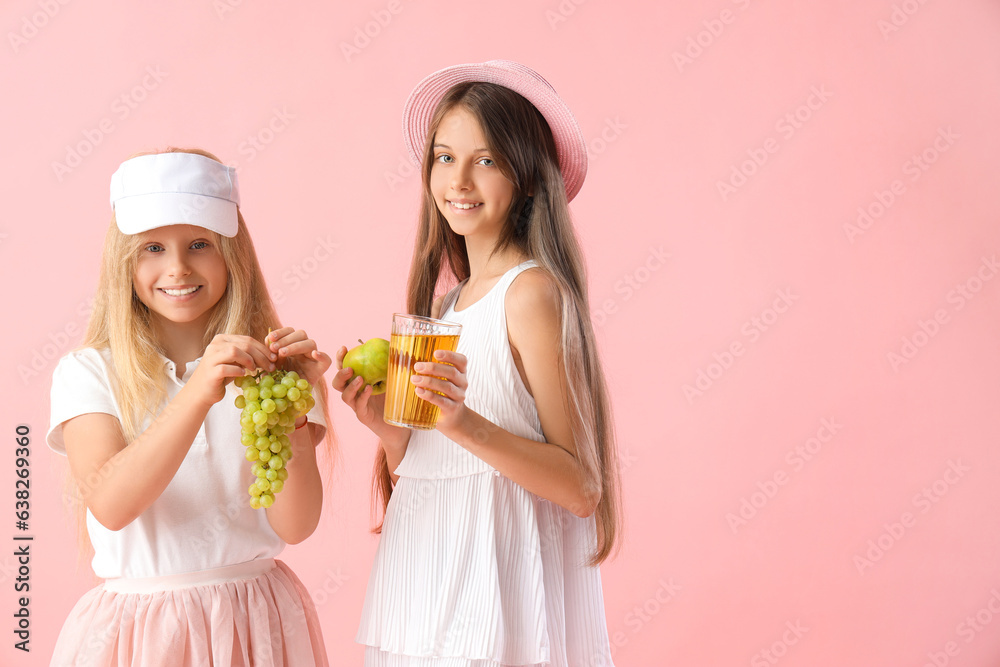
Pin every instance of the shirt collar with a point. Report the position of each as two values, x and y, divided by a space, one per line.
171 369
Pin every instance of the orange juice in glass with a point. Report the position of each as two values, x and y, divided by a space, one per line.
414 339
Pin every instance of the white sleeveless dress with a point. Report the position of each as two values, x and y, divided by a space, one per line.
472 570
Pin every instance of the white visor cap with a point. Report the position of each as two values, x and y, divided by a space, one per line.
164 189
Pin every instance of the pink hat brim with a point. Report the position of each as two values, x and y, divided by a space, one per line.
570 145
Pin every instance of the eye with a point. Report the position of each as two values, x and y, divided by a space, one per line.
154 247
487 162
199 245
444 158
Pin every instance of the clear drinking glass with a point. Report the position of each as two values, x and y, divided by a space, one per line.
414 339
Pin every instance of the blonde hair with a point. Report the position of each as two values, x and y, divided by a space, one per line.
538 225
121 323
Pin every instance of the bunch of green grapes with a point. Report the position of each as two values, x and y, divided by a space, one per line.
271 402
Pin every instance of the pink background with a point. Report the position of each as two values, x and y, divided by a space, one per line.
834 381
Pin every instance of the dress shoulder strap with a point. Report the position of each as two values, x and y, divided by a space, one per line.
450 298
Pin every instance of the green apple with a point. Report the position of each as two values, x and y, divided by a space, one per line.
370 360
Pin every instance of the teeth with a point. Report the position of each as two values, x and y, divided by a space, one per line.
179 292
465 206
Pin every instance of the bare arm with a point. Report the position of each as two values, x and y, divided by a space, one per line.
297 509
369 409
118 480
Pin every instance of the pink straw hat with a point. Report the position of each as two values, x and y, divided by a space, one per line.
570 146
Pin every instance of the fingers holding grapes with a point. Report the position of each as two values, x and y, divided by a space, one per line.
226 357
244 351
287 342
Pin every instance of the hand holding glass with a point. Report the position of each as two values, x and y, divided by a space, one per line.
414 340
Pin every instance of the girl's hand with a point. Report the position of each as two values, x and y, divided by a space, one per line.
227 357
445 375
369 409
288 342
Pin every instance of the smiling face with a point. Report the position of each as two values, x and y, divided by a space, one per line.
465 181
180 274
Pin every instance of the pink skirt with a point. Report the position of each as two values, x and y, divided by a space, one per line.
251 614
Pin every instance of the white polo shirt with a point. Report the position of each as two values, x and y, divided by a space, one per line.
203 519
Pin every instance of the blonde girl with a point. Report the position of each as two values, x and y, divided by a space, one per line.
145 413
496 521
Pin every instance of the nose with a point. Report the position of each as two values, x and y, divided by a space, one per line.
461 178
177 263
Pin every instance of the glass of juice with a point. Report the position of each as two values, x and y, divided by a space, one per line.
414 339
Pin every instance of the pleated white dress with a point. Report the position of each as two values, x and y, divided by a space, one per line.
471 569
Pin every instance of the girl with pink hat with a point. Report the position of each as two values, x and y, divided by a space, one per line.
145 413
496 521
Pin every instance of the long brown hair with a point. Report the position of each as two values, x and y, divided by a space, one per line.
538 226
